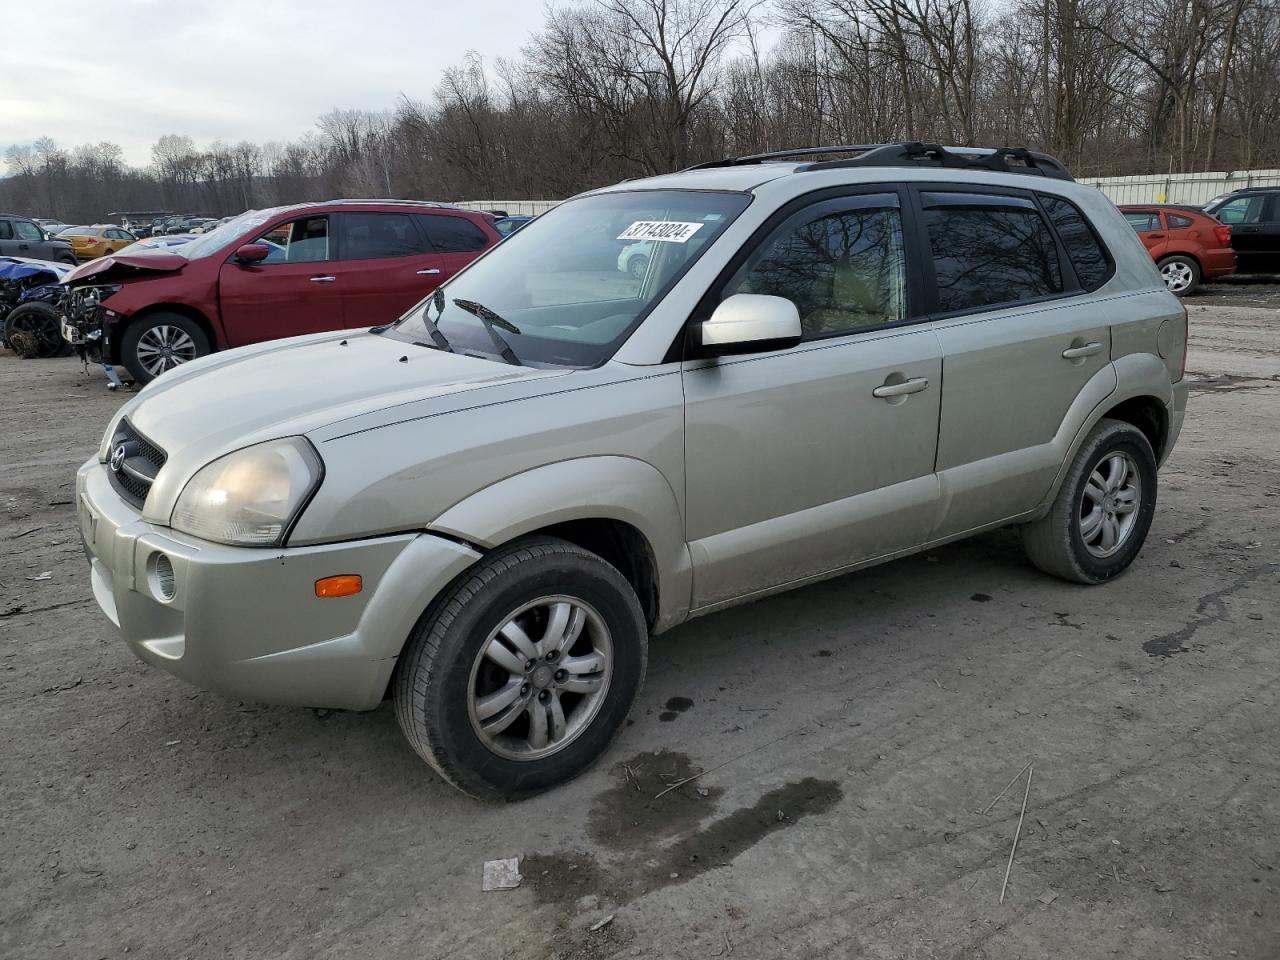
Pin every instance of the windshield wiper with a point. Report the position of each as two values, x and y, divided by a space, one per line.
490 320
438 338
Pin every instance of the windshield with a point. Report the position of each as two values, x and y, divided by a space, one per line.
215 240
571 285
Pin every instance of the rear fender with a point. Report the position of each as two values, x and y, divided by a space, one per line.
1129 377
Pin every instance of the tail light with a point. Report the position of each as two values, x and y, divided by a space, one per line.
1224 236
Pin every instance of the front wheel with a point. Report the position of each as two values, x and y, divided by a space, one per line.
34 330
160 342
522 672
1181 274
1102 513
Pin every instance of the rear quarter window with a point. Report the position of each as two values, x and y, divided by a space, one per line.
1177 222
989 250
1092 263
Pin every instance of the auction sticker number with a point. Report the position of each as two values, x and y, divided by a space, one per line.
666 231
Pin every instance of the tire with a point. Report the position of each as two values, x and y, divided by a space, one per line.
443 672
34 331
1180 274
69 259
143 346
1064 542
637 266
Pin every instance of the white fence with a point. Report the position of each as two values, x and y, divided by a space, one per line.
527 208
1191 188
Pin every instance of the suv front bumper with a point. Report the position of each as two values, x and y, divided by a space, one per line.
245 622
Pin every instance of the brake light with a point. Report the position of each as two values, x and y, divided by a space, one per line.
1224 236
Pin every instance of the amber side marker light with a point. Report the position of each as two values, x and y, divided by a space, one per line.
340 586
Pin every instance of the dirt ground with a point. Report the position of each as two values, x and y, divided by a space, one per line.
853 737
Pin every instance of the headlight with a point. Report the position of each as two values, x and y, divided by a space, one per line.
250 497
98 292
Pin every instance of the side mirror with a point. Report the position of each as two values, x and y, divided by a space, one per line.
253 252
749 323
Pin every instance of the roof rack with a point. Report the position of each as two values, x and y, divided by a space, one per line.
911 154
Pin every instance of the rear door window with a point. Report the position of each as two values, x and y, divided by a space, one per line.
449 234
377 236
1142 220
1087 254
6 231
989 250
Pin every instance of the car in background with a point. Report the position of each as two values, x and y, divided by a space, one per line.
51 227
186 224
210 225
23 237
97 240
509 225
1187 244
158 243
1253 214
272 273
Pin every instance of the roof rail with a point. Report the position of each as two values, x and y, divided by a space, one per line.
911 154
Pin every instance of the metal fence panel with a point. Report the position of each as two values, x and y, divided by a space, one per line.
524 208
1190 188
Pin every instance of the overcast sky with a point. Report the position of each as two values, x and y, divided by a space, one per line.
130 71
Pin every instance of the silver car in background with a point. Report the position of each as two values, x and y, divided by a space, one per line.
485 509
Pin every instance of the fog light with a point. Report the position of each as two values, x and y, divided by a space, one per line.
163 582
343 585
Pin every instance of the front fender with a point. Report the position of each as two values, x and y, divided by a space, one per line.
1129 377
588 488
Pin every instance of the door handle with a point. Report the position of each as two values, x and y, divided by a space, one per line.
1088 350
1155 236
431 272
888 391
323 279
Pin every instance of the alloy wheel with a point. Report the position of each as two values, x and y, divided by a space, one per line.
1109 504
164 347
540 678
1177 275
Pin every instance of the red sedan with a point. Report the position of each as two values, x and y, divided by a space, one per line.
276 273
1187 244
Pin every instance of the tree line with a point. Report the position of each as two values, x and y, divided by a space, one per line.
612 89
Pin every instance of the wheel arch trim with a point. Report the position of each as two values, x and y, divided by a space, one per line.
616 488
1136 376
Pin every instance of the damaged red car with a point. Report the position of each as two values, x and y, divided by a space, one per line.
269 274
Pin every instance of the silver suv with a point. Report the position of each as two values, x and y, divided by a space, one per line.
484 509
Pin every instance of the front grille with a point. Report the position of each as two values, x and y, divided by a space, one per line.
132 463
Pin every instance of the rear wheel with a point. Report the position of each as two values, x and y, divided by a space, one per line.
522 672
160 342
1102 513
1181 274
34 330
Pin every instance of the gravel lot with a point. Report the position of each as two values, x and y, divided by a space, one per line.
852 734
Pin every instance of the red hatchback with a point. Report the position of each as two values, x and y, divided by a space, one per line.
275 273
1187 244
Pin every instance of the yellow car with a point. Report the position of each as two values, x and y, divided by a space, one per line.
96 241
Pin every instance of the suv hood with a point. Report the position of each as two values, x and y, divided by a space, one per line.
226 401
124 265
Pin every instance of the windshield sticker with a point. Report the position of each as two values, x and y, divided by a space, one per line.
668 231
